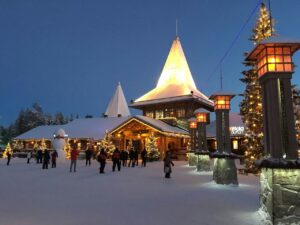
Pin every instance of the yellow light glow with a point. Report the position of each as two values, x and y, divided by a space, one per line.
175 79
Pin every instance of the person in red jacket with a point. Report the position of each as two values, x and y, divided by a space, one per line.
116 160
74 154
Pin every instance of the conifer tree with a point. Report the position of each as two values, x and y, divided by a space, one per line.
8 149
251 105
151 148
107 143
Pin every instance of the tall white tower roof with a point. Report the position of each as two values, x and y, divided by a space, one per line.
117 106
176 78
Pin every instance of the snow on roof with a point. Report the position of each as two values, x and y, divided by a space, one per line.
274 41
223 93
174 99
117 105
160 125
95 128
175 79
40 132
235 120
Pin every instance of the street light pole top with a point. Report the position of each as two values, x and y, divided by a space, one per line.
274 41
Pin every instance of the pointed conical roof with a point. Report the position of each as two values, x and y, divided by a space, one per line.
117 105
175 79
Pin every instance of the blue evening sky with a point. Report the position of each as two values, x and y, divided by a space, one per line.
69 55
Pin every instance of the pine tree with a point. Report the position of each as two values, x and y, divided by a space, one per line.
151 148
8 149
251 105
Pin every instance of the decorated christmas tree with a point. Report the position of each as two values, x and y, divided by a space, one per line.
107 143
251 105
43 145
67 149
151 148
8 149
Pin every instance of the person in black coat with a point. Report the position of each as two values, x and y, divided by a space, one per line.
144 157
116 160
136 155
46 159
102 156
88 156
131 158
8 158
124 157
54 156
39 156
167 165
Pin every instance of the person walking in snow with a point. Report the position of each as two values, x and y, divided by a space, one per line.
136 156
39 156
54 156
167 165
144 157
88 155
74 154
8 158
116 160
131 158
28 157
46 159
124 157
102 156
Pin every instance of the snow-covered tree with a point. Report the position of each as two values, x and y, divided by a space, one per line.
151 148
107 143
251 105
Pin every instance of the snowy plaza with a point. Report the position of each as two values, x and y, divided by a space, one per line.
135 196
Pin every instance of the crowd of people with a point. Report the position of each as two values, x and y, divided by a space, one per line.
123 158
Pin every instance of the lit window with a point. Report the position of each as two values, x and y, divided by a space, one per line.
149 114
235 144
159 114
222 102
181 113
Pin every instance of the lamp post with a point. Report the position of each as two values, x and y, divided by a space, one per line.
280 177
203 162
193 141
224 166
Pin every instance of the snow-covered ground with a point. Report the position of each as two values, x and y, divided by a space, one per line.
134 196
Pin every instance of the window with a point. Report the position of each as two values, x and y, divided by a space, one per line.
180 113
159 113
169 112
149 114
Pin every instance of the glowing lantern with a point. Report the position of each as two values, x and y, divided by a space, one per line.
274 56
193 123
202 115
222 100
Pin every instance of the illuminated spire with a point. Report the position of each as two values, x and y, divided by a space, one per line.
117 105
175 79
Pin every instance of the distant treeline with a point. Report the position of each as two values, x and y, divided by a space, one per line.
30 118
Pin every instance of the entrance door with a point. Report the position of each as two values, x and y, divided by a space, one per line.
136 145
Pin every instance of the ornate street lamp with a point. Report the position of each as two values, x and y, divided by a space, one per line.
281 167
193 141
203 161
224 166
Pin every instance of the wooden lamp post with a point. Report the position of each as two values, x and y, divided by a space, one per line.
280 177
224 166
203 161
193 141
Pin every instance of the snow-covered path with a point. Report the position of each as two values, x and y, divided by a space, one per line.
134 196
